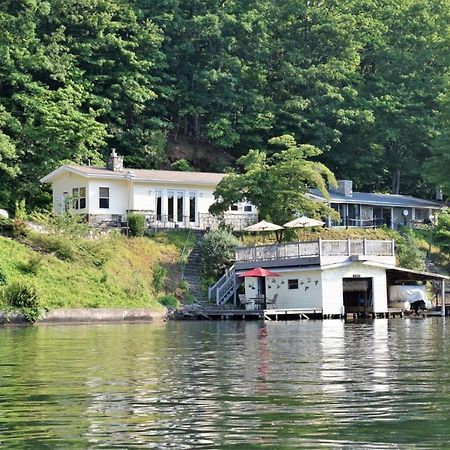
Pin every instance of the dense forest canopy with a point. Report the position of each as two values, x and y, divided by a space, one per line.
363 80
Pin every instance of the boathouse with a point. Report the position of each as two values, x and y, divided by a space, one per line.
327 278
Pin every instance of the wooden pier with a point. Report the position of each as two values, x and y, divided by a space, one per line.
255 314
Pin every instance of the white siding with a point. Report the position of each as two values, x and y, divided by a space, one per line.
65 183
144 197
333 297
307 296
119 196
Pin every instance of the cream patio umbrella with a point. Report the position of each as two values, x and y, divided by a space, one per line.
265 226
304 222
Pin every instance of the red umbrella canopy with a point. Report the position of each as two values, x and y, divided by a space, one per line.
259 272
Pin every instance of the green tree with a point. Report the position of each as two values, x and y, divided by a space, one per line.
278 185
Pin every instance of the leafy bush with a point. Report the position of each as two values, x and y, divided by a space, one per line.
136 223
182 165
409 254
23 297
3 278
59 245
66 224
6 227
169 301
159 277
441 232
217 252
33 265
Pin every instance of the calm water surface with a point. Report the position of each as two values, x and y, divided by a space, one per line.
181 385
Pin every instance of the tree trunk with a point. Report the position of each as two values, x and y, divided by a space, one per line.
396 181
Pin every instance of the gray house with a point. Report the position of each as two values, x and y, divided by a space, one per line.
364 209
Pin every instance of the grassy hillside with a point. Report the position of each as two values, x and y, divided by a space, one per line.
111 272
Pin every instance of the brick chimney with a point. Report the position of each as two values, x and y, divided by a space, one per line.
115 162
345 187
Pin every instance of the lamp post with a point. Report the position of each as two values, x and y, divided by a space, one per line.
430 237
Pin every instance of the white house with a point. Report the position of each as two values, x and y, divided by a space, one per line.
167 198
182 199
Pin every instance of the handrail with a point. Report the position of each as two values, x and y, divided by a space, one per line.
183 264
317 248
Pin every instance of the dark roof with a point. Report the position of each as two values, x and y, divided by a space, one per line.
366 198
168 176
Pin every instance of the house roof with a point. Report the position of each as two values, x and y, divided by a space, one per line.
166 176
366 198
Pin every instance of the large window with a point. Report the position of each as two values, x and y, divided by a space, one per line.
192 207
158 205
170 206
180 206
79 198
103 197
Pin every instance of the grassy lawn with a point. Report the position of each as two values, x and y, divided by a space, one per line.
116 271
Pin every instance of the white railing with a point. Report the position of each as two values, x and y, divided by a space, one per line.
317 248
222 290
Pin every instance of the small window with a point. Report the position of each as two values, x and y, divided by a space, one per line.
79 198
103 197
248 208
234 207
293 284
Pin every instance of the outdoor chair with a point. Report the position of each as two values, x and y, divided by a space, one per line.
243 300
272 302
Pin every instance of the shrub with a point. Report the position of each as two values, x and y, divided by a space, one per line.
136 223
169 301
441 233
6 227
182 165
67 224
23 297
217 252
409 254
62 247
33 265
3 278
159 278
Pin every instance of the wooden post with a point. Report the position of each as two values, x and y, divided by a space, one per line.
443 297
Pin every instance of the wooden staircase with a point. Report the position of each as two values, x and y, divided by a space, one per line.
225 288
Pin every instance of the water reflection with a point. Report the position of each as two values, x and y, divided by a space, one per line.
378 384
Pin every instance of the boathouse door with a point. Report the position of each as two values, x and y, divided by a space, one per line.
358 295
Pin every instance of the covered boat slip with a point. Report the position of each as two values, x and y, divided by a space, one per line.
320 279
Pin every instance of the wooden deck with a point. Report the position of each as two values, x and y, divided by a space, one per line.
255 314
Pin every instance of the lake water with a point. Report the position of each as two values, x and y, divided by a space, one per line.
223 385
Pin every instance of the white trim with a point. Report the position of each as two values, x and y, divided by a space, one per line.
123 176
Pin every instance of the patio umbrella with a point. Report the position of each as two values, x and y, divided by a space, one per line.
259 272
263 226
304 222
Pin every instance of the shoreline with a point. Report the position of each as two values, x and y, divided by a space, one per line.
68 316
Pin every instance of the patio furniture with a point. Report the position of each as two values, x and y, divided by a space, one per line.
272 302
243 300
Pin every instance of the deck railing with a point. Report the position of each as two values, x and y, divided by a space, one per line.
347 247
